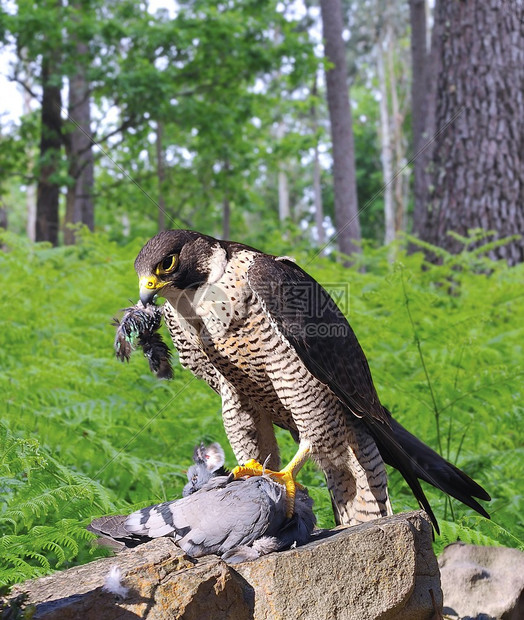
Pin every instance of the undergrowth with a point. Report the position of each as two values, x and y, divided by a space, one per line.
83 435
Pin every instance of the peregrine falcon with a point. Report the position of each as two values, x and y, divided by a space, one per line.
273 344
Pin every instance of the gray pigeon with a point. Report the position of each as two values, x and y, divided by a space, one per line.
238 520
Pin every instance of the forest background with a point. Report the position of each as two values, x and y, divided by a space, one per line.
379 143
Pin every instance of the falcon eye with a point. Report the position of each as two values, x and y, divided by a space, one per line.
167 265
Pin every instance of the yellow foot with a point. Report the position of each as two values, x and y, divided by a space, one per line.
285 477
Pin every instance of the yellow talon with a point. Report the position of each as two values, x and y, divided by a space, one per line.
249 468
286 476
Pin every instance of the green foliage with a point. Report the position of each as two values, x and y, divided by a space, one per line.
43 510
84 435
370 183
475 530
217 76
217 121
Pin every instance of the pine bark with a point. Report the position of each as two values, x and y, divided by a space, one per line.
344 176
477 165
48 190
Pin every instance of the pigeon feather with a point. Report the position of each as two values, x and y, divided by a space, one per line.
139 327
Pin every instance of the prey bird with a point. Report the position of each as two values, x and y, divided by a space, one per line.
239 520
273 344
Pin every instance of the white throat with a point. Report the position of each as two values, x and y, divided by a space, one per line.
217 264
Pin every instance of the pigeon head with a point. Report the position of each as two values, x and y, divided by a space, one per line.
209 462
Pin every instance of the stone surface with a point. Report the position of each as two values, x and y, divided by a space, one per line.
383 570
482 583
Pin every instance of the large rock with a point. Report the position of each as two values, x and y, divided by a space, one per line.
383 569
482 583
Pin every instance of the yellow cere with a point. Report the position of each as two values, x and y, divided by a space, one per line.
150 282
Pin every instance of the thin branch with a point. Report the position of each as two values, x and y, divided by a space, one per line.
14 78
122 127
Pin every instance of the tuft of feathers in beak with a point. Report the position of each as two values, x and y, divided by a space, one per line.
139 327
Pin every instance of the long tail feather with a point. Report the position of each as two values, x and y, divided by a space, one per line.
431 467
113 528
414 460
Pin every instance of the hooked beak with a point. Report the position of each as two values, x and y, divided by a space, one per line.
149 287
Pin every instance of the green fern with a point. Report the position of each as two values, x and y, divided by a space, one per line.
39 490
475 530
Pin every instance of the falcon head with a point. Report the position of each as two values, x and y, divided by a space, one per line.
177 260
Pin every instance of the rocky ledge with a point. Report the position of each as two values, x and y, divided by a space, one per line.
383 569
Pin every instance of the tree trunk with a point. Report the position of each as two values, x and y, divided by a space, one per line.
283 195
317 186
226 218
284 212
386 150
48 191
478 159
79 200
417 13
30 201
344 182
317 197
400 176
3 217
161 176
226 204
30 192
